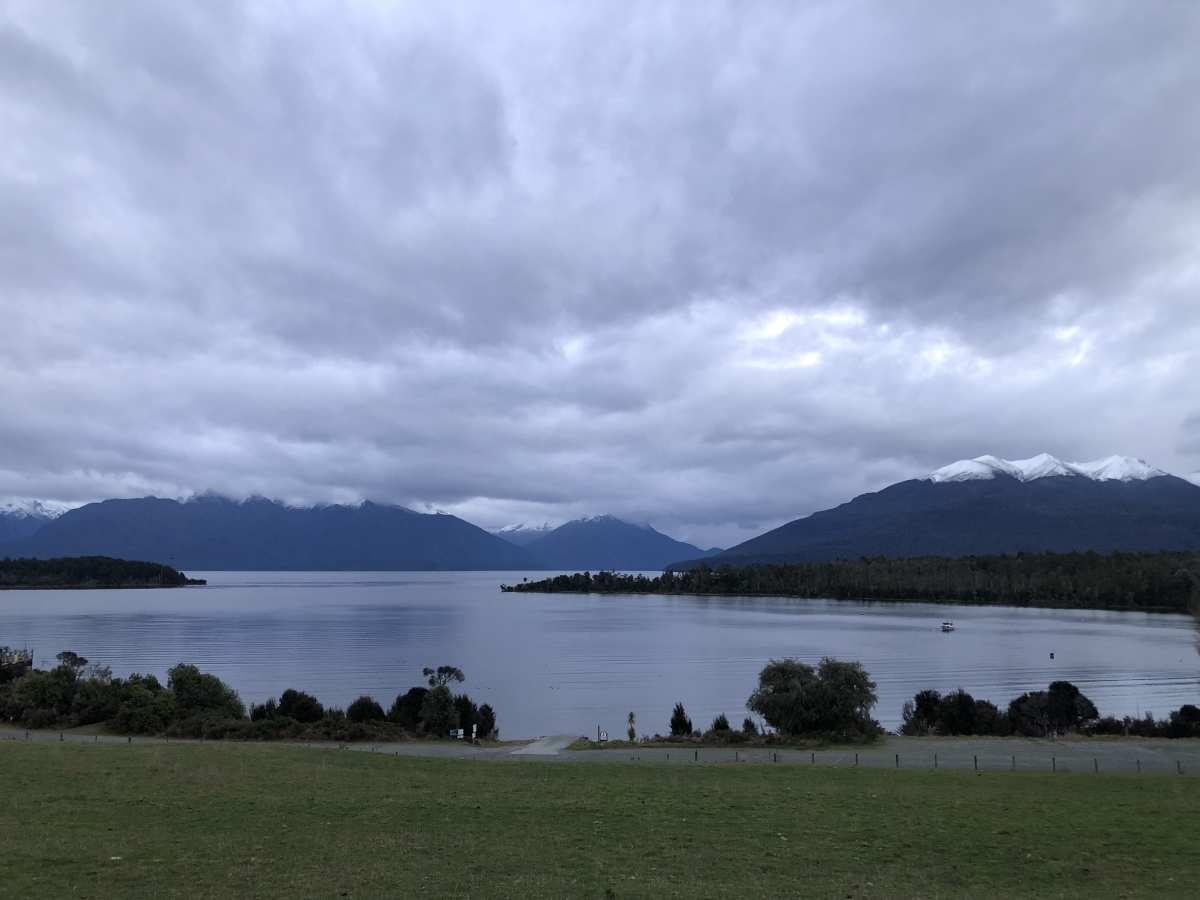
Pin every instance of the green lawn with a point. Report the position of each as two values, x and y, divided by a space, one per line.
262 821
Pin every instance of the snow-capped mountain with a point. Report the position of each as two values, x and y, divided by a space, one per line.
22 517
989 505
1194 478
522 535
23 507
1111 468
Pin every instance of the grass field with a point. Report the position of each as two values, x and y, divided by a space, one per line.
261 821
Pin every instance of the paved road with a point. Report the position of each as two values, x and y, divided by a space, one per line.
987 754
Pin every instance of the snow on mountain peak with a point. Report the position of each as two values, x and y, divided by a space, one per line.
1111 468
26 508
521 527
1194 478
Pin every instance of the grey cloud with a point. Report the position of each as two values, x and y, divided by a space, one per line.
513 263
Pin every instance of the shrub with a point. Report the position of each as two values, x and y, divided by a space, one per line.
364 709
438 712
300 706
406 708
468 713
262 711
487 721
748 726
201 694
835 699
680 723
720 723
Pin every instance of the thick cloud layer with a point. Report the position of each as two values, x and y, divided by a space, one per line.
712 267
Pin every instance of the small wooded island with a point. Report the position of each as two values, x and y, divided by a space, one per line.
1164 582
88 572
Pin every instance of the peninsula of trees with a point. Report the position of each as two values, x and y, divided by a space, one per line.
83 572
1166 582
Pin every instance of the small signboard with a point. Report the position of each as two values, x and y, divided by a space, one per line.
603 736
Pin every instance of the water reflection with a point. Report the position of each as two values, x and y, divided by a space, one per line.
562 663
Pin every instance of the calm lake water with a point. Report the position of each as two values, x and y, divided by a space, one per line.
559 663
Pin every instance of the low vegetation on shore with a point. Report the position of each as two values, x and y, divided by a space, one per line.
1060 709
1149 581
268 821
82 572
197 704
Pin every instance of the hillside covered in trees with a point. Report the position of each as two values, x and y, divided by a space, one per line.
1149 581
89 572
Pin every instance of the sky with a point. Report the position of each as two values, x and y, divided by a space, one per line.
710 266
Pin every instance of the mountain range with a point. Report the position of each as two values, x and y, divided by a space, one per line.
989 505
212 533
215 533
979 506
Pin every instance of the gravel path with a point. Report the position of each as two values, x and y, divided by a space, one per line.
1106 755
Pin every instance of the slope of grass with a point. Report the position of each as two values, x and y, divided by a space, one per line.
262 821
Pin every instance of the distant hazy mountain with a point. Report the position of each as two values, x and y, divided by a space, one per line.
988 505
23 518
523 535
605 542
214 533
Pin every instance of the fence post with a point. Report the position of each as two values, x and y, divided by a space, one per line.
697 756
977 762
935 761
1014 762
897 760
1054 764
1179 767
774 756
1139 767
855 759
1095 765
736 757
813 758
60 736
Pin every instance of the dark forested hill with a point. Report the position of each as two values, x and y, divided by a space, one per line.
215 533
1152 581
605 542
88 572
988 516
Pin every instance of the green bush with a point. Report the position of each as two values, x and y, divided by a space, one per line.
365 709
406 708
834 700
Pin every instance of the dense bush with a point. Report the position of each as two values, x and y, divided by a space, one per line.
365 709
406 708
955 713
720 723
834 700
438 712
199 705
487 721
1059 709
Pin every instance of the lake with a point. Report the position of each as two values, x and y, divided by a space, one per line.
562 663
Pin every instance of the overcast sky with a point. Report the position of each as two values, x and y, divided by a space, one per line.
709 266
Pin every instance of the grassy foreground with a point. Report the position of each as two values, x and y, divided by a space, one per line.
260 821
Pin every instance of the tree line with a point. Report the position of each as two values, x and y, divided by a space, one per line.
1060 709
198 704
1168 581
89 572
832 701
